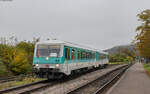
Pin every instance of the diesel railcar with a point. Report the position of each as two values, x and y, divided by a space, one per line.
55 58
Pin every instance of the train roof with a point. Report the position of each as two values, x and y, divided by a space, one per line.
70 44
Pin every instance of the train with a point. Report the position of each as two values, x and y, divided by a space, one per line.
56 58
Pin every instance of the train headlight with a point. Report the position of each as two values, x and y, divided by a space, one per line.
46 58
57 65
36 65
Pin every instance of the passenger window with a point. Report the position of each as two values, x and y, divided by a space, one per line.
79 56
84 55
88 55
102 56
67 54
93 55
73 54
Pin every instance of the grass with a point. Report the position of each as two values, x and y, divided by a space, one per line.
26 80
116 62
147 68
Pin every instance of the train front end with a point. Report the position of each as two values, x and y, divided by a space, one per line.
48 60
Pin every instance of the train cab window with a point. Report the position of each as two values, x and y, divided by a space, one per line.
67 53
73 54
48 50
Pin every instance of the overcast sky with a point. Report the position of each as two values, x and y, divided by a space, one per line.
100 24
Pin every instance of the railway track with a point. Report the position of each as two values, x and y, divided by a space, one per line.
18 89
41 85
2 80
63 88
13 78
102 84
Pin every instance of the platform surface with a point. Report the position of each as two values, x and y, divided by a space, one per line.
134 81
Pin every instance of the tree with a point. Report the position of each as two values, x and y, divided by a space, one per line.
123 55
28 47
20 62
143 36
6 54
16 58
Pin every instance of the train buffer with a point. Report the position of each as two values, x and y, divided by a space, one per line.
134 81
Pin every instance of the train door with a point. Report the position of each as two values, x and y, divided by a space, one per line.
67 59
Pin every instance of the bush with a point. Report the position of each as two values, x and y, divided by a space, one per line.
4 71
17 59
20 62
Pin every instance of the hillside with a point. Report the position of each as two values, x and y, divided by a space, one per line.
117 49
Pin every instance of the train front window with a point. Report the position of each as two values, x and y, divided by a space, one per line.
48 50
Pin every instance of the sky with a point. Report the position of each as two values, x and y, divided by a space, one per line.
100 24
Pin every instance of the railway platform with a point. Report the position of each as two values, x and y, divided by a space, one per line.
134 81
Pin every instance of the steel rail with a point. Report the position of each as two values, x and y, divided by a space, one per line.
13 78
20 87
6 79
108 73
35 83
114 79
105 86
55 83
38 88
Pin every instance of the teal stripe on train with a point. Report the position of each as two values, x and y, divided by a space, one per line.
56 60
51 60
83 60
